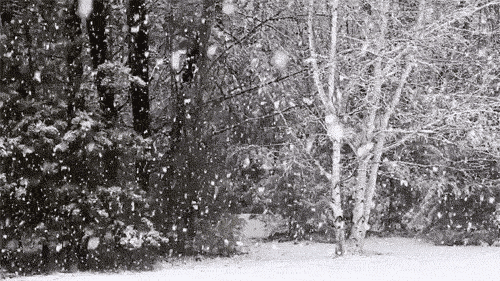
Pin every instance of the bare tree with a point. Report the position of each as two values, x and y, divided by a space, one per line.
377 109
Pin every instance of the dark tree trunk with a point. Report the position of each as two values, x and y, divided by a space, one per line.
138 62
192 79
187 134
96 26
17 22
46 258
73 61
27 85
179 108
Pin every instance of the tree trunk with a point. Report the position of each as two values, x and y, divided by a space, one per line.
139 91
359 222
193 76
96 26
380 142
384 124
363 193
73 61
138 61
29 83
336 199
335 133
330 101
370 159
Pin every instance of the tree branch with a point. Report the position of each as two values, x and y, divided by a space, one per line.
330 110
238 92
253 119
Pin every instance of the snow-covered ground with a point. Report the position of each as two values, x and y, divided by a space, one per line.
388 259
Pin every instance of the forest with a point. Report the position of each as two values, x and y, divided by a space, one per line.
131 131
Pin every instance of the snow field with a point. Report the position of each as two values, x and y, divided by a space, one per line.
386 259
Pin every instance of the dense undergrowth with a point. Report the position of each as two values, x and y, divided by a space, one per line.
69 201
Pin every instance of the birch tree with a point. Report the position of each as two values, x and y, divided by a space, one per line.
374 125
385 46
330 100
366 136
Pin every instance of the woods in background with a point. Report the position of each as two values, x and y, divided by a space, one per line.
135 130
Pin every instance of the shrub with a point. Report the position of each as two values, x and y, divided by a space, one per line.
109 228
296 193
221 237
451 237
448 215
59 189
195 200
393 200
465 219
65 185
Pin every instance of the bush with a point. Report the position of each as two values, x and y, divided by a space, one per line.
195 200
109 228
448 215
465 219
451 237
64 185
393 200
59 189
298 195
221 237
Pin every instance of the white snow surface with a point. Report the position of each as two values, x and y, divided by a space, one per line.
386 259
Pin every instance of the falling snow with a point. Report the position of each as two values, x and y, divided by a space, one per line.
134 29
93 243
176 59
280 59
228 7
211 131
211 51
37 76
84 8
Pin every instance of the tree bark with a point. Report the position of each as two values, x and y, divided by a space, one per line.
369 163
139 91
365 151
73 61
380 142
96 26
330 101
